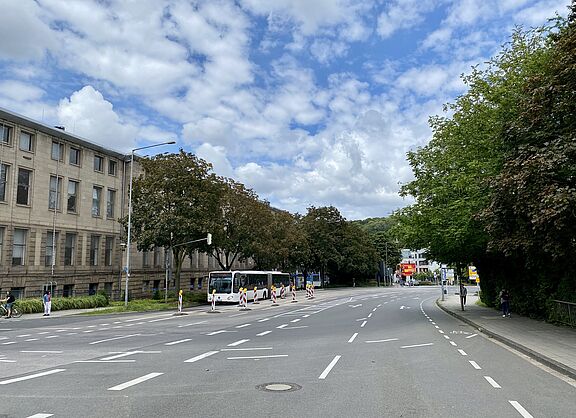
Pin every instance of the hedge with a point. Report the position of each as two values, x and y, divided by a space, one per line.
60 304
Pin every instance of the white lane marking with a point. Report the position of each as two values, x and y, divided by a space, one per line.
462 352
243 326
417 345
52 336
492 382
379 305
105 361
436 326
355 306
179 341
470 336
263 333
440 331
32 339
42 351
447 337
91 326
161 319
475 365
43 332
520 409
9 342
433 323
297 327
382 341
72 333
282 326
88 331
217 332
31 376
305 316
369 315
41 416
296 320
238 314
330 366
264 320
361 319
453 343
234 344
374 310
353 337
129 353
257 357
135 381
112 339
7 361
363 323
23 335
194 323
201 356
246 349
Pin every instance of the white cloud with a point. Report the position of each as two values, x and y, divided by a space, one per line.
218 158
86 113
402 14
539 13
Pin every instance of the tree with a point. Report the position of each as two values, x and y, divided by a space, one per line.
171 201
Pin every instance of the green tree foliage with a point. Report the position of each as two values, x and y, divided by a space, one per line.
171 203
496 184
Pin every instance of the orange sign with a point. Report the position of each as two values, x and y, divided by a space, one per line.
408 269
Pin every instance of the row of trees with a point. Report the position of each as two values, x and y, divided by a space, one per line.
179 199
496 185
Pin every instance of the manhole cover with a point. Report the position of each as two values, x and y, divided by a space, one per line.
279 387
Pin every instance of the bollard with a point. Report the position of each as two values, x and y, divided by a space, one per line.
240 297
312 291
274 296
282 292
308 295
180 301
293 294
213 300
255 296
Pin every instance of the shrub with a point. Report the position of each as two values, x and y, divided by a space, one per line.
60 304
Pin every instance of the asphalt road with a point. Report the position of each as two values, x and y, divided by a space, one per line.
375 352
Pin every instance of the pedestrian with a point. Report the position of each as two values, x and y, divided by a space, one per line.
47 300
463 293
8 301
505 303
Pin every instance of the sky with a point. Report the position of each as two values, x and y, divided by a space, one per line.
307 102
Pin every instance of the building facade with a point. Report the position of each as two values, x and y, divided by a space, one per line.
61 198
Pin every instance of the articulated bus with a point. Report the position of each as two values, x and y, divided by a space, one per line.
228 283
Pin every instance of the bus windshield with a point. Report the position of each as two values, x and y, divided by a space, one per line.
221 282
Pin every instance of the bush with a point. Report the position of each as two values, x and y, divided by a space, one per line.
61 304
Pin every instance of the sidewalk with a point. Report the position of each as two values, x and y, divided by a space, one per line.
550 345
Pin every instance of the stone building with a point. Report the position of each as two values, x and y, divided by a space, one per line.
61 197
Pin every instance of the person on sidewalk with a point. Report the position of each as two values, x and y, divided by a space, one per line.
9 301
47 300
505 303
463 293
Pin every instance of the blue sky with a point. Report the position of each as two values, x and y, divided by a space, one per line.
308 102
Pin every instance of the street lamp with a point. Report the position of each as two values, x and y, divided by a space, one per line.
130 214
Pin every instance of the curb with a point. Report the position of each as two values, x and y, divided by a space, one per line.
553 364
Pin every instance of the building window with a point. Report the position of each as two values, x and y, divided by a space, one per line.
94 244
157 256
23 191
68 291
92 289
72 201
69 249
51 243
145 258
108 251
55 194
110 203
98 163
6 136
19 247
1 244
112 167
96 200
3 180
74 156
26 141
57 151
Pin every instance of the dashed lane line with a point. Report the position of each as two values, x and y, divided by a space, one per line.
263 333
453 343
329 367
247 349
31 376
135 381
257 357
42 351
520 409
363 323
41 416
417 345
201 356
185 340
113 339
353 337
492 382
462 352
471 336
475 365
381 341
234 344
243 325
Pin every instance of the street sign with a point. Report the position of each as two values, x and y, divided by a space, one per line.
408 269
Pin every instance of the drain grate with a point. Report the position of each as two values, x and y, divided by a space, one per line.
279 387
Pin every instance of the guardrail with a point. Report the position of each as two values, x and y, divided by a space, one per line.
564 312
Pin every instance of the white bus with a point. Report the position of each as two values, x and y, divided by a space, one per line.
228 283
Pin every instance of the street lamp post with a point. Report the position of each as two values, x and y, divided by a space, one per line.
128 240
